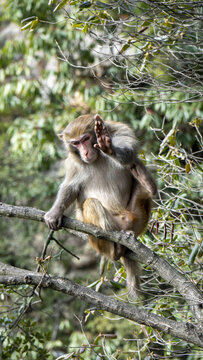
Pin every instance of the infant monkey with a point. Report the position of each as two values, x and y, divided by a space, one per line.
111 187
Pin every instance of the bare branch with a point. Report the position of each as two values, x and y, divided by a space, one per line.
139 252
153 44
186 331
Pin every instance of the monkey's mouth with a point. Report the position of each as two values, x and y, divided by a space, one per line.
91 159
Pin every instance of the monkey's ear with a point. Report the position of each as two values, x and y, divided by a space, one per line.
60 136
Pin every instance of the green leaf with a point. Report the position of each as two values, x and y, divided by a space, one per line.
94 283
194 253
29 18
51 2
196 122
31 24
172 140
147 22
27 26
98 286
34 24
188 167
116 285
125 47
78 25
84 30
60 5
103 5
85 5
91 18
104 14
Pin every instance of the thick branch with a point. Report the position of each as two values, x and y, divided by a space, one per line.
186 331
140 252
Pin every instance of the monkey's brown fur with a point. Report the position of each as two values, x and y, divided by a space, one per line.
111 186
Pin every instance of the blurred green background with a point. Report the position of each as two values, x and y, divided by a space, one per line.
39 94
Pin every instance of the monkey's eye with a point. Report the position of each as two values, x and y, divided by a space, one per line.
75 143
86 138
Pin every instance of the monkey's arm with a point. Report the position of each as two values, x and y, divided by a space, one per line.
121 145
67 194
143 175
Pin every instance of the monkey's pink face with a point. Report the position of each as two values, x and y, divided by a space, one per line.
85 146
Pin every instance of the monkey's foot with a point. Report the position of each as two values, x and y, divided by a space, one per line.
119 250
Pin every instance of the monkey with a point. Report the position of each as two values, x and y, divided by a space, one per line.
139 207
110 186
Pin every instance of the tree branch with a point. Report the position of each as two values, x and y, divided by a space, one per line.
139 252
185 331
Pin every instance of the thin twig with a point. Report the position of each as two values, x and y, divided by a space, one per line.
64 248
49 238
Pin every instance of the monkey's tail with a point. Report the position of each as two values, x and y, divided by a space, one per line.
133 272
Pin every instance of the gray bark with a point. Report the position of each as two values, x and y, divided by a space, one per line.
139 252
184 330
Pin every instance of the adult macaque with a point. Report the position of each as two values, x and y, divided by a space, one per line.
111 186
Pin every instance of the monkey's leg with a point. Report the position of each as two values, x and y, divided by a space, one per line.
133 272
127 220
139 208
94 213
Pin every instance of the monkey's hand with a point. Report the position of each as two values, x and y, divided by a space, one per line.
103 137
53 219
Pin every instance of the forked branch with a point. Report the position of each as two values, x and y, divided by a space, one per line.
139 252
10 275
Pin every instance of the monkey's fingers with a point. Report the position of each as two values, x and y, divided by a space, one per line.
53 224
59 222
98 128
100 144
97 146
107 143
97 117
103 137
104 144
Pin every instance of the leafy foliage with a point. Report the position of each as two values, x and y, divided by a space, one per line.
51 72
